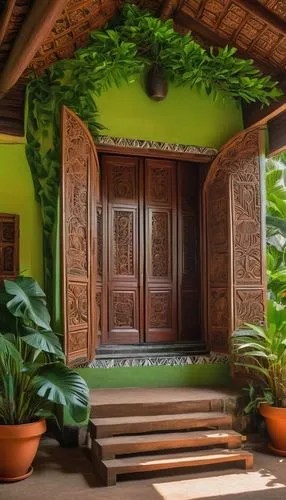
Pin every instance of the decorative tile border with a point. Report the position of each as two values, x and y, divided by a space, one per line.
211 358
104 140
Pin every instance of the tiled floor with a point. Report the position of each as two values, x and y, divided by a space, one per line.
67 474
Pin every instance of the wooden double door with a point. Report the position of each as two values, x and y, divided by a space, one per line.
148 272
134 248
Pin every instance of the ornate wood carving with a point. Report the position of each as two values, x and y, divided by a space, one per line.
79 189
160 244
244 24
188 252
161 310
144 224
123 281
123 310
123 243
161 254
235 287
9 246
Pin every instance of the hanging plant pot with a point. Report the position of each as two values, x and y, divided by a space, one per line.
156 84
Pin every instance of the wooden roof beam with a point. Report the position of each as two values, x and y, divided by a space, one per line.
253 114
277 134
5 18
168 8
36 28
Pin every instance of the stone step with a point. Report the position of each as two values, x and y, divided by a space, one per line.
109 469
105 427
120 445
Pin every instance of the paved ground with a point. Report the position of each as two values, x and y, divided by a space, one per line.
67 474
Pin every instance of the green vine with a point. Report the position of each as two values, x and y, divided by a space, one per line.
115 55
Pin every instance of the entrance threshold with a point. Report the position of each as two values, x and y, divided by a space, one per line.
154 350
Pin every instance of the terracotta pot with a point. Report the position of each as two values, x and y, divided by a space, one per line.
18 447
275 419
157 85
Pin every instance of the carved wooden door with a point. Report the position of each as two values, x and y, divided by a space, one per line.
235 284
79 192
161 251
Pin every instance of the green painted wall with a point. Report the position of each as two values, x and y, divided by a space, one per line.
17 197
184 117
158 376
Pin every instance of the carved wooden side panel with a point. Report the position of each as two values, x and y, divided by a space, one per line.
235 283
124 292
188 252
161 254
79 191
9 246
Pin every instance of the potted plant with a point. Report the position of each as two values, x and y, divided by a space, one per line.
261 352
34 381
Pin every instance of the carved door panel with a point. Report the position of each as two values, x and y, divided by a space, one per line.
79 193
188 252
235 283
161 251
124 290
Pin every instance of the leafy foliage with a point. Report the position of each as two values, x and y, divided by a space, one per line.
113 56
34 381
261 353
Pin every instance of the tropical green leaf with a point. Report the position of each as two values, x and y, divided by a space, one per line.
8 349
28 301
61 385
46 341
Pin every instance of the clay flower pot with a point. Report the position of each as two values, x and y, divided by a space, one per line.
156 84
18 447
275 419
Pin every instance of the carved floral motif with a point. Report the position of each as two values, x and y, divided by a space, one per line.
123 235
160 244
123 182
123 310
160 309
77 304
160 185
250 307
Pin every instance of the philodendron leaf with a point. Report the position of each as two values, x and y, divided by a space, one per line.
28 301
42 340
57 383
8 349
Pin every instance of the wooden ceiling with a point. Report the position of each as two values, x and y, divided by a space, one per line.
256 27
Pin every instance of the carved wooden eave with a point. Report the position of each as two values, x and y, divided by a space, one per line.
257 28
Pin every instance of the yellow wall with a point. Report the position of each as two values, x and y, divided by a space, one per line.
17 197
